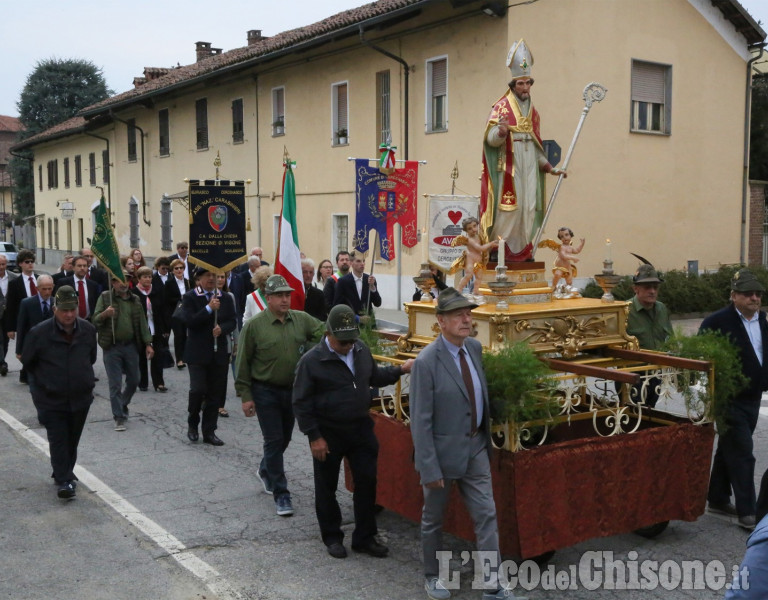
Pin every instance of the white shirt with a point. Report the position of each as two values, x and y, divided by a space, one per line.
359 286
26 279
753 331
85 292
4 284
348 358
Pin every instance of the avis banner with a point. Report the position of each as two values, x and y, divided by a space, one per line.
446 212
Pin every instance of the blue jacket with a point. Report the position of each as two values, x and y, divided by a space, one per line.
754 567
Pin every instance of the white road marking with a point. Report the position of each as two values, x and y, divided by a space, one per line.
163 538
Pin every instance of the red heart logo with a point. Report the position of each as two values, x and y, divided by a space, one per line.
454 216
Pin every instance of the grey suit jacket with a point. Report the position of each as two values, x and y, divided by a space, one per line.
440 412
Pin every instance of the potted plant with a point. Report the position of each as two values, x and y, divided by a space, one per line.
341 135
278 127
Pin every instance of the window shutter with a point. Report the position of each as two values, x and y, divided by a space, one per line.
280 104
342 106
439 77
648 82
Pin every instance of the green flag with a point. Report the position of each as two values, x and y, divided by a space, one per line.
104 245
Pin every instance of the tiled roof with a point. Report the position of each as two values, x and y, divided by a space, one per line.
67 127
10 124
281 41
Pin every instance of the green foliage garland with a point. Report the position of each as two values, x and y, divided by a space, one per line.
729 379
520 386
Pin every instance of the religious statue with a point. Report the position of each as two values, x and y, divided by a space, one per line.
475 257
564 267
512 200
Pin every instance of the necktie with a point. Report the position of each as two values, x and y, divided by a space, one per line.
467 377
32 286
46 310
82 309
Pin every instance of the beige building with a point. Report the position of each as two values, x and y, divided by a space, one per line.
658 168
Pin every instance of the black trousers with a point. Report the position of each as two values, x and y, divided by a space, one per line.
64 429
359 444
207 387
734 464
158 342
179 340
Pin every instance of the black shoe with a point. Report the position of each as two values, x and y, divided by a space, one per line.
161 388
212 440
372 547
4 369
66 491
337 550
193 435
23 379
143 389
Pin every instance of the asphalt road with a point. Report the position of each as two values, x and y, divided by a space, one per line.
159 517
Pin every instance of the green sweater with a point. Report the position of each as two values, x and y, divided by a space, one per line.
130 324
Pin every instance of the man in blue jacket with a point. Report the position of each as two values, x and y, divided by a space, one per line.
331 400
734 464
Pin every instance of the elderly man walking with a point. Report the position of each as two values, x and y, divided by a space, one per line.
331 400
733 467
270 346
122 327
451 430
59 354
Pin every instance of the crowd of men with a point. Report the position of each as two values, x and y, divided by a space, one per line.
310 366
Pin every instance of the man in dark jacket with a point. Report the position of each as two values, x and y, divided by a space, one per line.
59 354
357 289
210 318
331 398
734 464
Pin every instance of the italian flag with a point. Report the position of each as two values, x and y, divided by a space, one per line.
288 261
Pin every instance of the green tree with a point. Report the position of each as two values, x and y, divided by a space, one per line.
758 137
56 90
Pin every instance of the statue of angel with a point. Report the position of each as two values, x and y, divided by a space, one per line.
564 267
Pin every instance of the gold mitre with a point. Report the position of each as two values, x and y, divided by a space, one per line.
519 60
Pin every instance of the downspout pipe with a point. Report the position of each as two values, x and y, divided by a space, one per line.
406 82
258 164
745 176
143 174
109 187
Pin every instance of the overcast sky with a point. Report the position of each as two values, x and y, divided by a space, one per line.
124 37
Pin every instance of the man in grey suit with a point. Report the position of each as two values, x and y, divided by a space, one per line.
450 425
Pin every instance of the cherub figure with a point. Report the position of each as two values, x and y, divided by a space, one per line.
475 257
564 267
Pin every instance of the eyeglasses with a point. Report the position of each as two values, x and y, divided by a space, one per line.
346 342
179 268
28 262
752 293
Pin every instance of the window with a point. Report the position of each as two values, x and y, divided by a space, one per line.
163 132
278 111
276 233
237 121
105 167
80 233
340 114
53 174
437 95
651 97
78 171
383 130
50 233
92 168
340 229
201 120
131 140
40 177
133 222
56 233
166 236
66 172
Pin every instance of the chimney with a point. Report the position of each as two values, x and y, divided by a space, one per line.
137 81
254 36
204 50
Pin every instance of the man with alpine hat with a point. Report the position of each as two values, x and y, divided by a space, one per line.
649 322
451 430
59 354
733 467
269 347
331 400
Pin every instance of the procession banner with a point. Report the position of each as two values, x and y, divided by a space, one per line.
446 212
104 244
383 199
217 225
